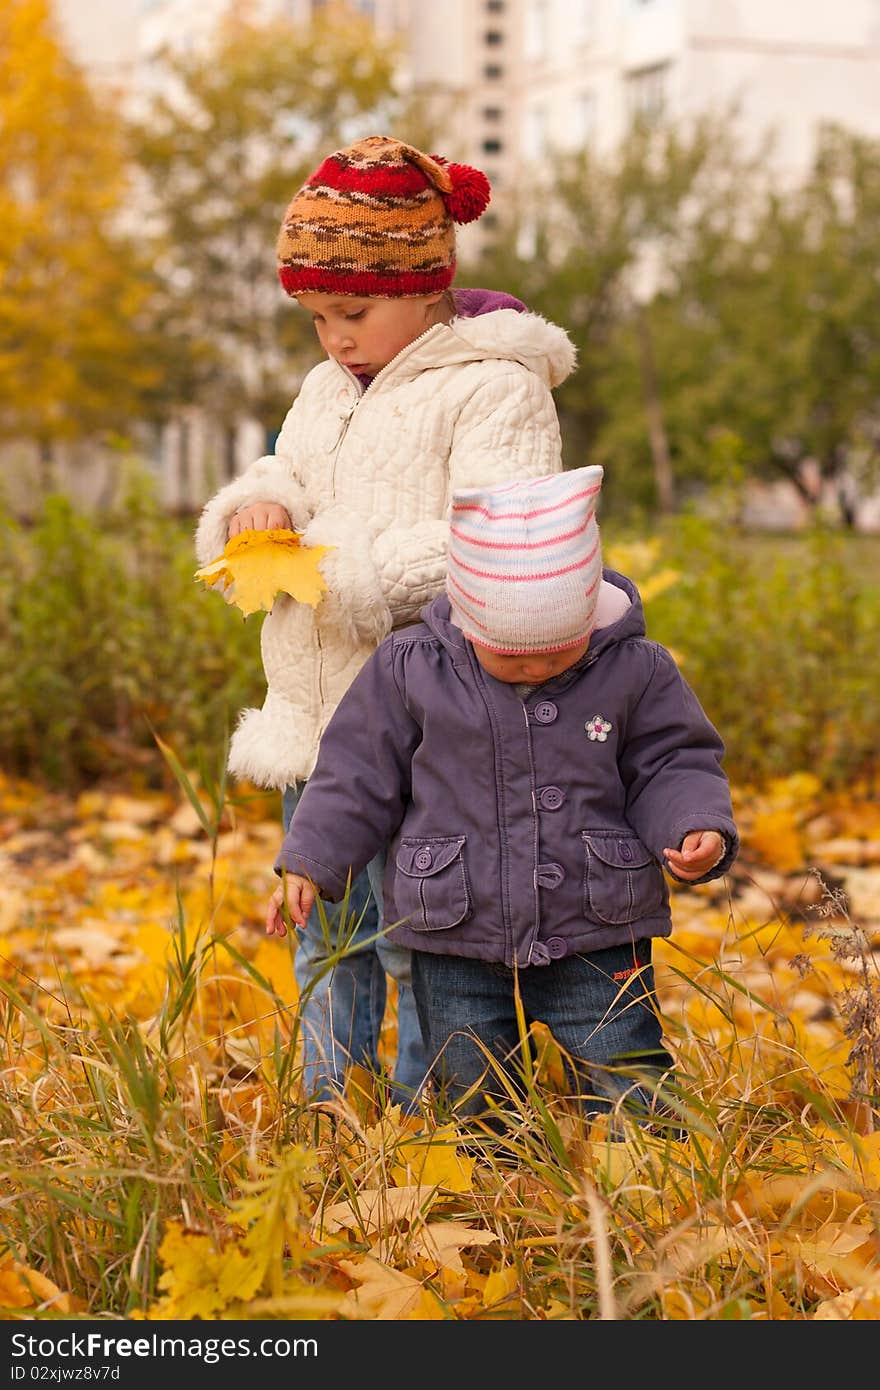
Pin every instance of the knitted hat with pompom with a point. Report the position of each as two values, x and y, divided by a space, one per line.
377 219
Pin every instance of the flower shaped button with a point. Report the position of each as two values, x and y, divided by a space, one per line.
598 728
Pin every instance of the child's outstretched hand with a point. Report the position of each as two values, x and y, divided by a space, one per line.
700 851
299 895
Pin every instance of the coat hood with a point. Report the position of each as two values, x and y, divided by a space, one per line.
506 335
538 344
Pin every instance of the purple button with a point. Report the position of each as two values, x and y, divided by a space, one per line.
538 954
625 851
551 798
545 712
557 947
423 858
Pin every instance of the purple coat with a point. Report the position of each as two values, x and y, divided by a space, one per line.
518 830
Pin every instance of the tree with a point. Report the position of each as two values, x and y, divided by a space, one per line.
597 250
797 366
750 348
223 147
74 359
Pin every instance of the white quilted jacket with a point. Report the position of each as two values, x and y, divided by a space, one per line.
371 474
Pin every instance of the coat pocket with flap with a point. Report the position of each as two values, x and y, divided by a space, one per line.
622 879
431 887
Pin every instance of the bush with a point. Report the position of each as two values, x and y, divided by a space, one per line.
105 636
778 637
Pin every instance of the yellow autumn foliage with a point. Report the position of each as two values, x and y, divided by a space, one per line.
256 566
767 1211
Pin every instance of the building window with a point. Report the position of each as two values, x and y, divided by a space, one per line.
492 71
492 113
583 119
493 37
537 30
492 146
583 27
495 6
646 90
535 133
527 239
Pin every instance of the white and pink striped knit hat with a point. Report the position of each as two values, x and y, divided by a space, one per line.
525 562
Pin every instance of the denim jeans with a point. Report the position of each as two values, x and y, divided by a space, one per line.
342 1005
600 1009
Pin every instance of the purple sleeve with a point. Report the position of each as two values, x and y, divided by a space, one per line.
355 798
671 764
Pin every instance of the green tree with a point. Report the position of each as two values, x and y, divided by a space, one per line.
595 250
75 360
780 337
223 146
727 328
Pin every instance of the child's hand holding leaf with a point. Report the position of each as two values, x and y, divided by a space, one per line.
257 565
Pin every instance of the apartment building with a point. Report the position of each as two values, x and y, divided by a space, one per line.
519 79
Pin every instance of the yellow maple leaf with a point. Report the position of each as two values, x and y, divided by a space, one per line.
257 565
437 1161
200 1281
23 1287
374 1209
382 1292
500 1287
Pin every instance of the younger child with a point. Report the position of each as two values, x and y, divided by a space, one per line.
424 389
534 763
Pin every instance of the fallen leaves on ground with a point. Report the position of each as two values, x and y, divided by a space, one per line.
108 896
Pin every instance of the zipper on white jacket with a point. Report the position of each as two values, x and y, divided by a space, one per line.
344 422
333 450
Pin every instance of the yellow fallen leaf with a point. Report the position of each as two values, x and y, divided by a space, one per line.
374 1208
382 1292
440 1242
257 565
856 1305
22 1287
501 1286
434 1160
832 1264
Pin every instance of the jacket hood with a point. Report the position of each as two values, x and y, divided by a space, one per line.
535 342
436 616
506 335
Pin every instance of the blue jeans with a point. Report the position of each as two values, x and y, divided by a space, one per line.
608 1029
342 1005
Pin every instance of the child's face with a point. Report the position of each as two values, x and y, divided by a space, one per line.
529 668
364 334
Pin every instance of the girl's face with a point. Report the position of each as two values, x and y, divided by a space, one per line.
528 668
364 334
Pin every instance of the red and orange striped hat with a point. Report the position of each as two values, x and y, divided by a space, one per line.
377 219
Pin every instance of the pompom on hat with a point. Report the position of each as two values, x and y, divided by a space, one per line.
377 219
524 564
